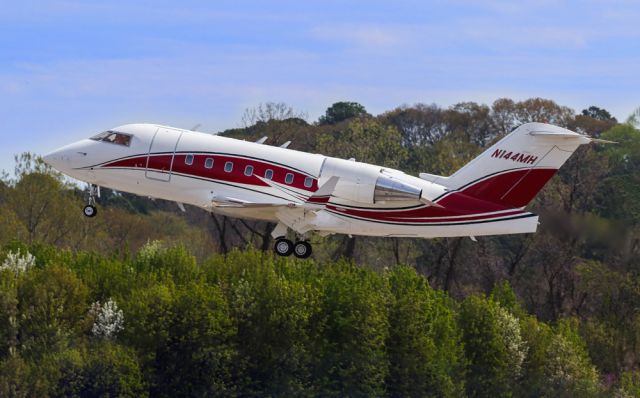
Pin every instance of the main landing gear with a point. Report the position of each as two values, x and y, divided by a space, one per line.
284 247
90 209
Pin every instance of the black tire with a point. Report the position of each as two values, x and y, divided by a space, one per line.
302 249
283 247
90 211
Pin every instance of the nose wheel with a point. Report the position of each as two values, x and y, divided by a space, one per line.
90 209
284 247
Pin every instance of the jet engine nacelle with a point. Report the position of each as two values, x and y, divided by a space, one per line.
393 189
367 184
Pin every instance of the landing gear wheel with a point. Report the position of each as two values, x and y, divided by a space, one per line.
283 247
90 211
302 249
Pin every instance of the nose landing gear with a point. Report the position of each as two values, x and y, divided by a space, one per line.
90 209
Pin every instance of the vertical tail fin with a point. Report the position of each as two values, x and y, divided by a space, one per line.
515 169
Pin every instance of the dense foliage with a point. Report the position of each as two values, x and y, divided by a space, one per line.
252 324
145 300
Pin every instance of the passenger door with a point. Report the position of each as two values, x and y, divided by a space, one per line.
162 153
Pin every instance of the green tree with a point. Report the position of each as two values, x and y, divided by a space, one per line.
103 370
11 227
544 111
424 345
274 308
8 313
353 359
367 141
472 120
508 114
52 303
629 385
147 314
493 347
503 294
557 364
47 211
419 124
611 329
301 134
620 193
17 381
444 157
341 111
173 264
597 113
568 370
197 356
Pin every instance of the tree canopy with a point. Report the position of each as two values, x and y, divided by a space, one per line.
341 111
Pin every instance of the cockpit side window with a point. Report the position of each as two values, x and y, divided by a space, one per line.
113 137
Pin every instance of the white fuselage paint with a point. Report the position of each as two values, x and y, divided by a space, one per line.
351 209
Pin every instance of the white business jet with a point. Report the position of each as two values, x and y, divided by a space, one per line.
306 192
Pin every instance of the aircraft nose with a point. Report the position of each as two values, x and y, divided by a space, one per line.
58 159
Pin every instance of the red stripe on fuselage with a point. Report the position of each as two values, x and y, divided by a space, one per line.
493 197
381 217
162 162
455 205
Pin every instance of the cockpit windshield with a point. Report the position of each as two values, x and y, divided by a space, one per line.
113 137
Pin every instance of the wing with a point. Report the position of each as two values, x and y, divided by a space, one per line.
318 200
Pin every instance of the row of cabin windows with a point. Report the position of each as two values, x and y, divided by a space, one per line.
248 171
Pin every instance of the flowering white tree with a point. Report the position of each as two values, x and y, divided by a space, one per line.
150 250
567 369
18 263
512 338
109 320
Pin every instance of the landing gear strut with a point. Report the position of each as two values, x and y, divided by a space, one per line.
90 209
284 247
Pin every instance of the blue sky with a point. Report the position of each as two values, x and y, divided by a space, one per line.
70 69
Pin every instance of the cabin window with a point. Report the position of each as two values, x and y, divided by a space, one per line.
308 182
289 178
208 163
268 174
248 171
228 167
113 137
188 159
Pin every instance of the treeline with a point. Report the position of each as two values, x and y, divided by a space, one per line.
579 272
249 324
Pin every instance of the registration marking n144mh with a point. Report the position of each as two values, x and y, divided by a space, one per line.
514 156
